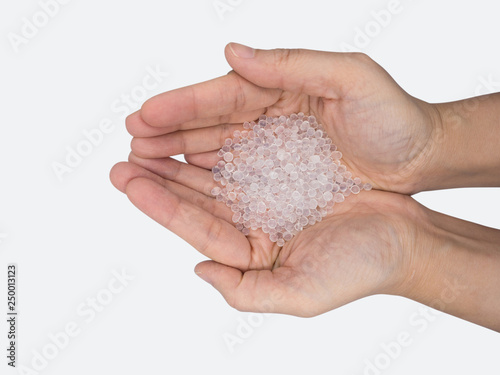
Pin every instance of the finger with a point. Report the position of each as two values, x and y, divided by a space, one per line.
122 173
316 73
137 127
221 96
254 290
204 159
211 236
231 118
184 141
187 175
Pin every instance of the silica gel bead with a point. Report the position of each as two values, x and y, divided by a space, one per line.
281 174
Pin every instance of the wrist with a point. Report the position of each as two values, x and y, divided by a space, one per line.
455 268
463 145
423 171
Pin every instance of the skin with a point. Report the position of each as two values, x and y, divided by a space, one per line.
376 242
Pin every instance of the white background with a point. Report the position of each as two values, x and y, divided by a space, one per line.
68 236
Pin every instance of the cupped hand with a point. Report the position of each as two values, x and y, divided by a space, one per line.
385 135
365 247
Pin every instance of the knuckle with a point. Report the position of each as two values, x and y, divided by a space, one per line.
286 60
233 301
182 141
239 96
361 57
177 212
222 119
213 233
224 132
176 170
199 201
210 205
283 57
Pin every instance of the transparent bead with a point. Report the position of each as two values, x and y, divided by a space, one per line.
281 174
236 217
338 198
336 155
229 167
327 196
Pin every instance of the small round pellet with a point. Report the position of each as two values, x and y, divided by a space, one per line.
281 174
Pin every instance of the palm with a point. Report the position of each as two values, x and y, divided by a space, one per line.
381 130
375 136
322 263
345 256
340 259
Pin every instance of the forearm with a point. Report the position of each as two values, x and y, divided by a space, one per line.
459 273
465 145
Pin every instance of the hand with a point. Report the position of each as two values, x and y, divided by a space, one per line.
385 134
363 249
375 242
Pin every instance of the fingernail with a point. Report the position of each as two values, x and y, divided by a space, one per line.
203 277
239 50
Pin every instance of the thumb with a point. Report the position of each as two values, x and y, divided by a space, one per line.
324 74
256 290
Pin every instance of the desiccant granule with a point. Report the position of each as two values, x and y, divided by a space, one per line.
281 174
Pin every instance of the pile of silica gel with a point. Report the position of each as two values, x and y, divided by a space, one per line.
281 174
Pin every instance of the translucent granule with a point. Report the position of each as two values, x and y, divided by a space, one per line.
281 174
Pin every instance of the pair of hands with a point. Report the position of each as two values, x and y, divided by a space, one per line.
374 242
